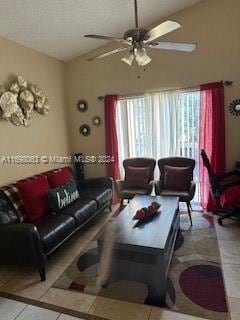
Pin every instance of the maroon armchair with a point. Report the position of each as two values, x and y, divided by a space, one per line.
176 179
132 183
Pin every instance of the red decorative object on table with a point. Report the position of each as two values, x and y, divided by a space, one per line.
147 212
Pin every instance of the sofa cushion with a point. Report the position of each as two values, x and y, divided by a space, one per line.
81 210
137 177
63 196
59 177
53 229
177 178
100 195
34 196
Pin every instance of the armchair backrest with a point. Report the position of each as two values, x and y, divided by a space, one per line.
175 162
141 162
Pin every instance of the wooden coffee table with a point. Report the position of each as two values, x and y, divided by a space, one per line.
142 253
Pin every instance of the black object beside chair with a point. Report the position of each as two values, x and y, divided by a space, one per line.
218 185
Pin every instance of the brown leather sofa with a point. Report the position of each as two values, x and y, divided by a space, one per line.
31 243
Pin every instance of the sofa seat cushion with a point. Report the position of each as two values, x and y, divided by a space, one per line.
53 229
81 210
100 195
183 195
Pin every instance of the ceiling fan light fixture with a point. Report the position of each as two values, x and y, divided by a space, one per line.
137 39
142 58
129 57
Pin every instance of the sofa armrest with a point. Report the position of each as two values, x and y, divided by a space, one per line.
103 182
20 243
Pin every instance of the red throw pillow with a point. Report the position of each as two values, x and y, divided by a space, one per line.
137 177
34 196
59 177
177 178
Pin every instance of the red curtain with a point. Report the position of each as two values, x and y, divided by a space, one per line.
212 136
112 167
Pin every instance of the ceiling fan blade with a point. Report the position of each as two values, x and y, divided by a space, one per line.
95 36
162 29
108 53
177 46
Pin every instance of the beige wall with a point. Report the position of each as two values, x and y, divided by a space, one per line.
47 134
213 24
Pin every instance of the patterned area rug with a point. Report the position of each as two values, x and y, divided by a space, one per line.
195 284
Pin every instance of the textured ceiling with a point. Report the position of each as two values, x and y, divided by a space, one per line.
56 27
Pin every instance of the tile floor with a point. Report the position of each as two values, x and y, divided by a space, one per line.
25 283
12 310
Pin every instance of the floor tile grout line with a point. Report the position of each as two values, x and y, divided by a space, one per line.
150 312
94 301
59 315
5 283
26 305
44 293
232 264
228 240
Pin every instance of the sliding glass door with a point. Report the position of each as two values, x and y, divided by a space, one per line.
160 125
189 131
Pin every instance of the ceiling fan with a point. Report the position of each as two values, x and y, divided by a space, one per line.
136 40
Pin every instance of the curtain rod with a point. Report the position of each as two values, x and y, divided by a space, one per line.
226 83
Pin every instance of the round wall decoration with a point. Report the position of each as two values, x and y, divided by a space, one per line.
234 107
82 105
85 130
96 121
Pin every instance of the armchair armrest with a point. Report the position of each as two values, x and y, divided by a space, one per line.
192 189
103 182
228 180
230 174
20 243
120 185
157 186
150 187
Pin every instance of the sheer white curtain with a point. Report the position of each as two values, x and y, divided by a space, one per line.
148 126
